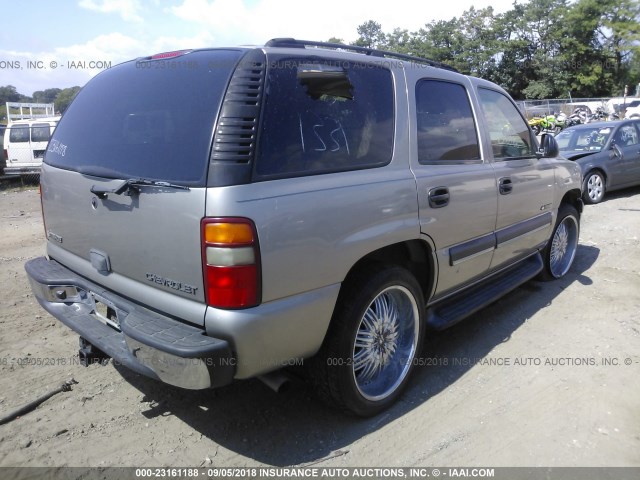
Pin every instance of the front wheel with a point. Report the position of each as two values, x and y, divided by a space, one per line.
561 251
594 187
373 341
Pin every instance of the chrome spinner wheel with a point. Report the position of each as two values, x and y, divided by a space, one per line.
563 246
385 343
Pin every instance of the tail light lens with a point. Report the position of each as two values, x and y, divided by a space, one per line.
231 262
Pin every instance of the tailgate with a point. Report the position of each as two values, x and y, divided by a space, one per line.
144 246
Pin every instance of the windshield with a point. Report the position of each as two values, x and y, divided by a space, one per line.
584 139
149 119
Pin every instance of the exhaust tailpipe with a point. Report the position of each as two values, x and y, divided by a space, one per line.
276 381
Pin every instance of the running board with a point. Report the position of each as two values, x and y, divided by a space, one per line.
451 310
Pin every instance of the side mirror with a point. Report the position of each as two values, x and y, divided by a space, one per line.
549 147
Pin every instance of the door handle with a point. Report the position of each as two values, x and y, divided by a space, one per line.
438 197
505 185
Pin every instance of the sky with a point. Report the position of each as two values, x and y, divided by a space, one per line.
46 44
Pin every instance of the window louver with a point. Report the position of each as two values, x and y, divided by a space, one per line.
235 136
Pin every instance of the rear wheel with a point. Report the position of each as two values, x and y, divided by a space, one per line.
594 187
373 341
561 250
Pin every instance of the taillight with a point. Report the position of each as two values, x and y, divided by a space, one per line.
6 154
231 262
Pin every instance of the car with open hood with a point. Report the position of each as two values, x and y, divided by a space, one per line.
608 154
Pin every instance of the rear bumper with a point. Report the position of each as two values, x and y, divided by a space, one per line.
146 342
22 170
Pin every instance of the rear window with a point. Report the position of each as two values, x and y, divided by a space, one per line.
19 133
40 132
149 119
322 117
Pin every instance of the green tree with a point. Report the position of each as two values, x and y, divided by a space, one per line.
530 49
47 96
620 33
64 98
370 35
584 56
399 41
9 93
538 49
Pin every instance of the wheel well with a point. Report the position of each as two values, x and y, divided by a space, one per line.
597 169
414 255
574 198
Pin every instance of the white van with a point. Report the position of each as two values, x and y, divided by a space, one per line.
25 142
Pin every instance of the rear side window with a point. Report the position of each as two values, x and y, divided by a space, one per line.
323 117
446 129
40 132
19 133
510 135
149 119
627 136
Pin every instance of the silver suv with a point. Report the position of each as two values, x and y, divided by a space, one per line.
219 214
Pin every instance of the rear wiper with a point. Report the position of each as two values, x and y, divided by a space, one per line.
132 185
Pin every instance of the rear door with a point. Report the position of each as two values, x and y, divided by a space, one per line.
19 145
457 195
627 171
151 119
40 134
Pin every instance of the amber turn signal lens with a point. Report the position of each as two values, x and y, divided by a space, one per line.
228 233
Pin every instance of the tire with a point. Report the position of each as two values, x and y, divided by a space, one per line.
593 189
373 341
560 252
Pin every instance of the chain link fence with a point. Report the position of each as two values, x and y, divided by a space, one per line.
537 108
13 181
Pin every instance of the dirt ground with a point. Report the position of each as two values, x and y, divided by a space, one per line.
547 376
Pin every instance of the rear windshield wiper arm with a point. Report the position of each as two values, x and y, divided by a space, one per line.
132 185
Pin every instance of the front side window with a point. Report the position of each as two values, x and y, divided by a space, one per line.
323 117
19 133
446 129
510 135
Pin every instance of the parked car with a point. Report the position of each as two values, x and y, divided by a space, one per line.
608 154
25 142
282 202
632 112
3 159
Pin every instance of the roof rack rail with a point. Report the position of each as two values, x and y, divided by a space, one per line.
294 43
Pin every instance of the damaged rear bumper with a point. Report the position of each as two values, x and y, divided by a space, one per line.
149 343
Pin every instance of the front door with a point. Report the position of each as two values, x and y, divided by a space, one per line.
525 183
